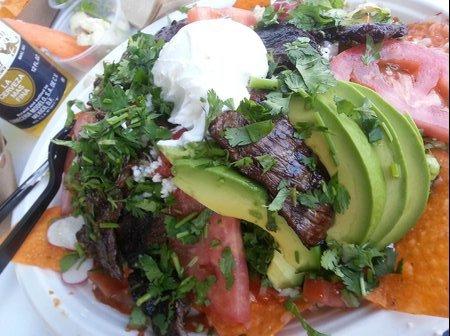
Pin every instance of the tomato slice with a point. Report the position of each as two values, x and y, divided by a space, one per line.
323 293
243 16
233 304
412 78
112 292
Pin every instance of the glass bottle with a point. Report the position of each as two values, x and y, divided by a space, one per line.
31 86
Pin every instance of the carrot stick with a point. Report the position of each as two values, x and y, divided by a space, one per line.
250 4
59 44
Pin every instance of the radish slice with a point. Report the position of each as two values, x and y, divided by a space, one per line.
62 233
78 273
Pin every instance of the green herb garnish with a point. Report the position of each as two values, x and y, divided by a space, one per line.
259 248
373 51
359 267
293 309
227 265
249 134
267 162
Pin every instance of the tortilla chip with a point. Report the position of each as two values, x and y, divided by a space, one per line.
268 317
36 250
422 288
250 4
12 8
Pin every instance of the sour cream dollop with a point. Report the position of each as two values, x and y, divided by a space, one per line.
212 54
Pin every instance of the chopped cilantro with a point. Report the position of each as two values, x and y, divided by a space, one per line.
138 320
184 9
267 162
332 193
313 74
293 309
283 193
304 130
68 261
216 105
202 288
277 103
259 248
373 51
190 229
359 267
108 226
227 265
253 111
271 224
269 18
336 195
364 116
249 134
245 162
309 162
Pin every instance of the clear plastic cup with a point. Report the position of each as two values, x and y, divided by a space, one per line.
59 4
118 31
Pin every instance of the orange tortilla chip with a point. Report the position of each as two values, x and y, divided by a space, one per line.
268 317
422 288
250 4
12 8
36 250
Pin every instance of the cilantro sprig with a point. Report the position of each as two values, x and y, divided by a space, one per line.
312 74
190 229
246 135
359 267
364 116
293 309
227 265
259 248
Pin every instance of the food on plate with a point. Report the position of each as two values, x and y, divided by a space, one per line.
251 4
240 168
36 250
422 268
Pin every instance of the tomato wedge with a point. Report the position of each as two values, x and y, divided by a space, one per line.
243 16
323 293
412 78
232 304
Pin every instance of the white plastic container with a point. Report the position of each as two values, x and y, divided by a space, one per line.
55 5
119 31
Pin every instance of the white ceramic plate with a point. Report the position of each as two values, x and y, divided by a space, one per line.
73 311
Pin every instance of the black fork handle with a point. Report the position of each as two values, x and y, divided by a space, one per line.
19 233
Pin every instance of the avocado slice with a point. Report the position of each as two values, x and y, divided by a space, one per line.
391 157
344 150
281 274
226 192
418 181
203 149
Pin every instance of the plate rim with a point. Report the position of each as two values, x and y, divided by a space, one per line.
22 271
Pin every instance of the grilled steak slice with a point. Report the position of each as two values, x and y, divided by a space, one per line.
275 37
310 225
168 32
103 250
356 34
135 235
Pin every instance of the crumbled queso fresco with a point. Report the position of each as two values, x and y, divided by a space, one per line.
148 170
168 187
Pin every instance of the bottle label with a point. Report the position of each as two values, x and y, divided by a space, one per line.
30 86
